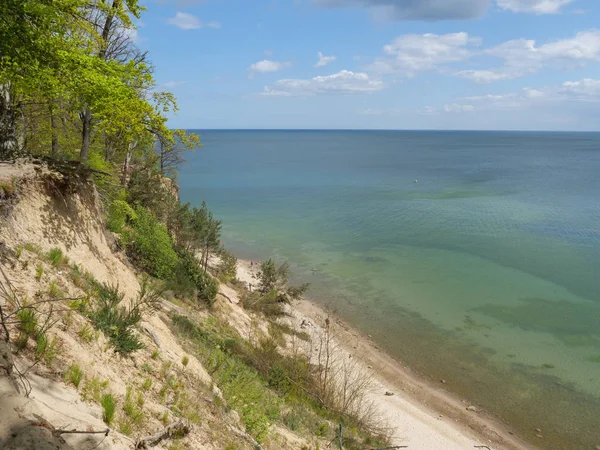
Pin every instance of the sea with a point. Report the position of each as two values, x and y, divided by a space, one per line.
472 257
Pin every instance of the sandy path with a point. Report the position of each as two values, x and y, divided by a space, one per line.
425 417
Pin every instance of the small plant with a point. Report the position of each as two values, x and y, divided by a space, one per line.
185 361
7 188
147 367
109 405
155 354
164 418
133 407
147 384
74 375
46 349
19 251
93 389
87 334
39 271
56 257
27 325
54 291
33 248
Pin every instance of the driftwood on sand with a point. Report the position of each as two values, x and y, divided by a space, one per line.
179 428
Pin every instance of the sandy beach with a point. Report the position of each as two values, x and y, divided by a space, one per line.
423 415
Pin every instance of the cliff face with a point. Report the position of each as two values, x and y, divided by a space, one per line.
53 243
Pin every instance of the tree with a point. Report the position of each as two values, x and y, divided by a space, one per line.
33 45
171 149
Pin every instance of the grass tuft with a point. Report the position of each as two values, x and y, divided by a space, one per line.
74 375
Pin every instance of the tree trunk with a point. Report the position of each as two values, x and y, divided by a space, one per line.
54 125
86 133
9 147
128 156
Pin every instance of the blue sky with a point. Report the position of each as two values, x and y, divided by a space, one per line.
378 64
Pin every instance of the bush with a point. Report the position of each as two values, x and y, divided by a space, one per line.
207 287
227 268
152 245
120 213
116 322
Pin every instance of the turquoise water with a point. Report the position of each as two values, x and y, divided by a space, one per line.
471 256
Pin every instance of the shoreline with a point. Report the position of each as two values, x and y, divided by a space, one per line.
424 414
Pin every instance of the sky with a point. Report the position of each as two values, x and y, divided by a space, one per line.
377 64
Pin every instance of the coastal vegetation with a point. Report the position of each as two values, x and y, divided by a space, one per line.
78 96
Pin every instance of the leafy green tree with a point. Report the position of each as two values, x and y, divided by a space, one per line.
170 150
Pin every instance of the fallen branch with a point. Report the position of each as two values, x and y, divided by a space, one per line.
179 427
61 431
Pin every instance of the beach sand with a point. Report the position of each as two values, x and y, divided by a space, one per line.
423 415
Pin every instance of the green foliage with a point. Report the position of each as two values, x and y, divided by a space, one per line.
273 291
152 246
116 322
46 349
93 389
206 286
227 268
86 334
242 386
120 213
109 406
147 384
54 291
133 410
74 375
39 271
185 361
56 257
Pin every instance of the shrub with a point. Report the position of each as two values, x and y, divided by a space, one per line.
227 268
109 405
152 245
185 361
116 322
120 213
56 257
273 292
74 375
207 287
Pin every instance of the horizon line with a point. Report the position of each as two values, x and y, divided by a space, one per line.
394 130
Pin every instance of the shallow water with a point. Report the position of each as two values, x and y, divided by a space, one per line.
472 256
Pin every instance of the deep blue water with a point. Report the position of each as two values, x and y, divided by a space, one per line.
472 256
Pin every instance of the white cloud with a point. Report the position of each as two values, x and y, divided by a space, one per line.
522 56
187 21
324 60
412 53
415 9
455 108
533 6
380 112
266 65
582 91
429 111
343 82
